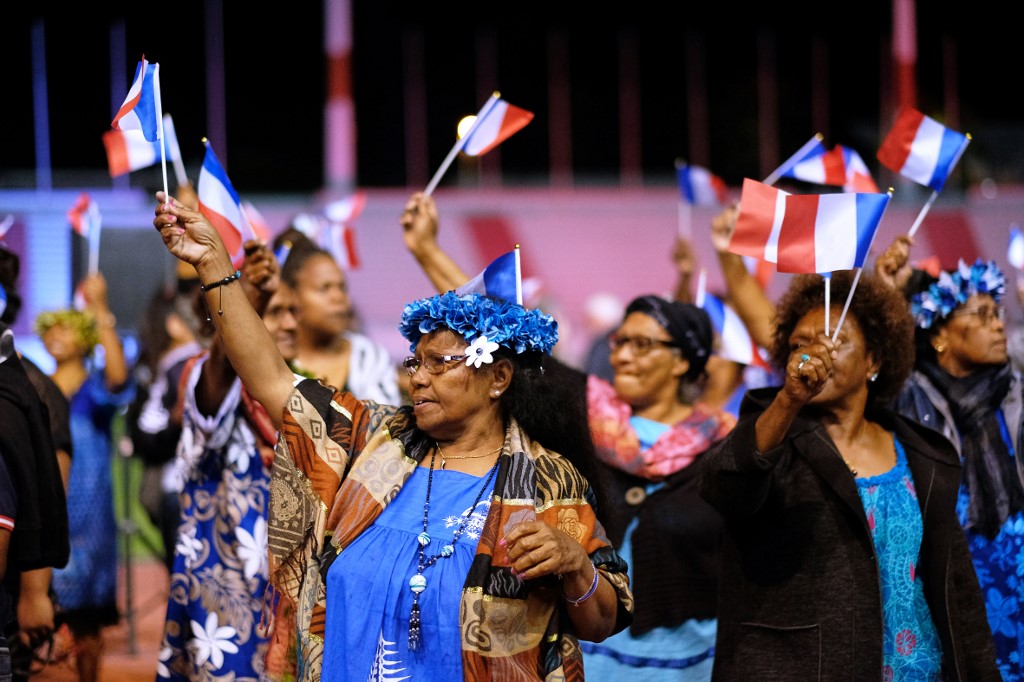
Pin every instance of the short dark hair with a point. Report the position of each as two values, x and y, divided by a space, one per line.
881 312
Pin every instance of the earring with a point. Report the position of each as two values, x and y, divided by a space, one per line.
939 348
497 393
873 377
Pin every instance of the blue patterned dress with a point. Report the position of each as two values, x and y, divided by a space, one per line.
911 649
86 587
220 561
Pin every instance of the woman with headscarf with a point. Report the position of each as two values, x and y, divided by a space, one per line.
438 539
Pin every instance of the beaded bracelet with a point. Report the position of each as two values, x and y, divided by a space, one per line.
588 595
236 275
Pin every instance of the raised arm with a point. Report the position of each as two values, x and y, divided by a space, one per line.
419 224
261 277
893 266
115 368
684 260
188 235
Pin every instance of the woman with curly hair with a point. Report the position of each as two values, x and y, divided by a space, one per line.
964 387
86 588
843 557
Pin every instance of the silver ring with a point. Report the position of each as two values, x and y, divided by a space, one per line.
799 365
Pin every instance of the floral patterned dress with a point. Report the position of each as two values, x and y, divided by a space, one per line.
212 630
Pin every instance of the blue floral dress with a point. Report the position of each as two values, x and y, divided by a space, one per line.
220 562
999 563
86 587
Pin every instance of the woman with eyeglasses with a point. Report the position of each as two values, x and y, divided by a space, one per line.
437 540
964 387
648 427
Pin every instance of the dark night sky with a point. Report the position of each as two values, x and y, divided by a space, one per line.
275 85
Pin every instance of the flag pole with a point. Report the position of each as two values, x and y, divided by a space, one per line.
856 278
459 142
95 225
160 124
828 299
172 136
791 161
702 287
931 200
519 278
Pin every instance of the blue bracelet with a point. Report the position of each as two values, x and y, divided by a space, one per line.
588 595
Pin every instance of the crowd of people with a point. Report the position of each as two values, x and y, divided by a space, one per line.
482 509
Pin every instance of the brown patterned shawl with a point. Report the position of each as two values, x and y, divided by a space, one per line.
340 461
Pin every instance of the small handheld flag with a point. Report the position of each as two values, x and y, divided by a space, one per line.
219 202
921 149
503 279
840 166
1015 251
497 121
86 220
140 110
699 186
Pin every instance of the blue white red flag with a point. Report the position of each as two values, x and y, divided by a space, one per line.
502 279
734 340
129 150
699 186
921 149
806 232
338 234
219 202
840 166
1015 251
497 121
259 224
141 106
84 215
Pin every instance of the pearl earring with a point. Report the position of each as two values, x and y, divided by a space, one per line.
873 376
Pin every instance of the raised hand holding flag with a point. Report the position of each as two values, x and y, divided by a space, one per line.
497 121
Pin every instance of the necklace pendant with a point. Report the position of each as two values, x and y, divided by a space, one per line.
423 538
447 551
417 583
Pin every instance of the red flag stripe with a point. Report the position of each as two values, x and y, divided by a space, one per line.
796 236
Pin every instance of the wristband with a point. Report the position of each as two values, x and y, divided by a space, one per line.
590 592
236 275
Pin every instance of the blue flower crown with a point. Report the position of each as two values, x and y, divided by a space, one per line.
953 290
471 315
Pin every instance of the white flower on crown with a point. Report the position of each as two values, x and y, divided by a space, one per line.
479 352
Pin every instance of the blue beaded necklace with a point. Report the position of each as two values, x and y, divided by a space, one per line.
418 582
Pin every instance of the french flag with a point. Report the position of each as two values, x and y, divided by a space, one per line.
139 111
699 186
734 339
496 122
129 150
840 166
805 233
502 279
922 149
1015 250
84 215
337 235
219 202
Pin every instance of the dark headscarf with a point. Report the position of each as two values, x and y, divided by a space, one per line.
688 325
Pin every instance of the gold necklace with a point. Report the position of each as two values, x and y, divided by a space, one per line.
447 457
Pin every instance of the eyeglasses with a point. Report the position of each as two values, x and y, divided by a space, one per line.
985 314
432 362
641 345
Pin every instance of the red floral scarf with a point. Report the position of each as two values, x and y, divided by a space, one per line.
617 445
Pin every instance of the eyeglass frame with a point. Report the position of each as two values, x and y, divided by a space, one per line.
412 364
984 313
641 345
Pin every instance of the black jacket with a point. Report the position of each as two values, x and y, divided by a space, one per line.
800 597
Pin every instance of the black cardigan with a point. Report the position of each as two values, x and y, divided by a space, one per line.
800 597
